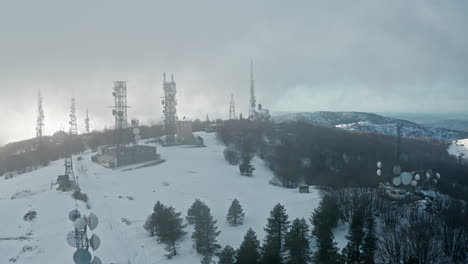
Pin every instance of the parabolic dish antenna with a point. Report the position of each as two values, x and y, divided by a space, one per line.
136 131
417 177
80 223
93 221
73 215
396 170
379 172
71 239
379 165
82 256
94 242
96 260
414 183
406 178
438 175
396 181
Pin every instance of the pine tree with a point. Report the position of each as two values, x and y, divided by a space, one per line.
206 260
194 211
235 214
170 230
370 242
355 237
152 222
324 218
205 233
249 250
276 229
246 168
297 242
227 255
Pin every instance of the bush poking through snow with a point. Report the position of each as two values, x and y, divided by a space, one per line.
30 216
78 195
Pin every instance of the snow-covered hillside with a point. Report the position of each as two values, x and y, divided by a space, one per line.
123 198
371 122
459 148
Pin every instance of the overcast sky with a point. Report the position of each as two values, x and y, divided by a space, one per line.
369 55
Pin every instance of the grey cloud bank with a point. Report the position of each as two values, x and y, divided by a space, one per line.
309 55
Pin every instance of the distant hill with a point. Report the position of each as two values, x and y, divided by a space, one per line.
360 121
454 124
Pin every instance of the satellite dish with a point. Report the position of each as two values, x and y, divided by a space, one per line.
94 242
82 256
136 131
137 138
396 170
73 215
379 172
414 183
379 165
96 260
71 239
438 175
417 177
406 178
396 181
428 175
434 181
80 223
93 221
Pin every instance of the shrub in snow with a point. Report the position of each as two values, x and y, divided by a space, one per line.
78 195
232 155
235 214
30 216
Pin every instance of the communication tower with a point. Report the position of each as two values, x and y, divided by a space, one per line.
40 117
253 101
87 122
232 108
73 127
169 103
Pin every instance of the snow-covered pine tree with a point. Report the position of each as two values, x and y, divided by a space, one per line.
235 214
355 237
206 233
249 250
194 211
227 255
276 230
296 243
151 223
170 230
370 242
206 260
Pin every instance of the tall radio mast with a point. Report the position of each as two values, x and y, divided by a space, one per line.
253 101
40 117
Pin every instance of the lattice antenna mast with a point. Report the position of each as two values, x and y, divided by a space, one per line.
87 122
120 111
40 117
169 103
73 127
253 102
232 108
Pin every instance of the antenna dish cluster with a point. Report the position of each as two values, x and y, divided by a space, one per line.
79 239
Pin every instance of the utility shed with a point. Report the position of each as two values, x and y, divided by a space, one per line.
184 132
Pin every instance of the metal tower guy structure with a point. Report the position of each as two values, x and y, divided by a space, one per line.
73 127
87 122
253 102
169 103
40 116
232 108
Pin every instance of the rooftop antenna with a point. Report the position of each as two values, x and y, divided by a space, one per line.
253 101
232 108
73 127
169 103
78 238
73 132
40 116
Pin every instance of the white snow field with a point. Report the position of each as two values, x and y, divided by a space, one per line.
459 147
122 199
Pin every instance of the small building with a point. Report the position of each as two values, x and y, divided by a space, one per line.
184 132
304 189
108 157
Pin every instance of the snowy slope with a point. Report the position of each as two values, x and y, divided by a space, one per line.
187 174
459 148
359 121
